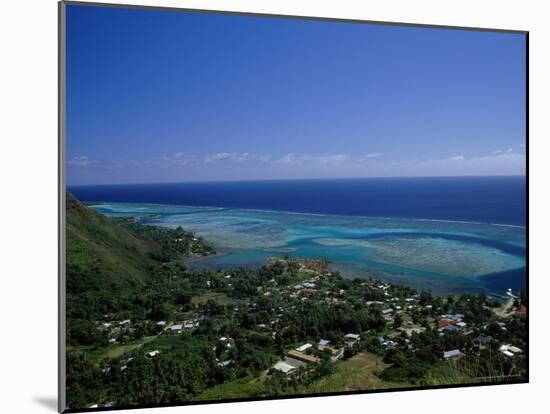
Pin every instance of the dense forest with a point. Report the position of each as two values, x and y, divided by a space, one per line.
142 328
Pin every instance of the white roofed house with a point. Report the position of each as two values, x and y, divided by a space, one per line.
284 367
452 354
509 350
226 363
288 365
351 338
177 328
303 347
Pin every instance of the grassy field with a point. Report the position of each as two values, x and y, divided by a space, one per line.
240 388
357 373
113 351
219 297
119 350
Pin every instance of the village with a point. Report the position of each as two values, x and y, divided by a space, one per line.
395 319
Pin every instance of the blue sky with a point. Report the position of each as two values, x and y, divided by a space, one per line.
159 96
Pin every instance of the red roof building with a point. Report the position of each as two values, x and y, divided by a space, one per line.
442 323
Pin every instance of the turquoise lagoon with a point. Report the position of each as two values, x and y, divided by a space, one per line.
444 256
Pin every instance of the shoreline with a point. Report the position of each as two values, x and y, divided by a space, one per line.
209 262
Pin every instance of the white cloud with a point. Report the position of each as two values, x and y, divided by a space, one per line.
227 156
292 165
82 161
374 155
457 158
292 158
180 158
497 164
509 150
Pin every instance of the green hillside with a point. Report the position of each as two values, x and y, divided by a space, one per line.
106 264
101 254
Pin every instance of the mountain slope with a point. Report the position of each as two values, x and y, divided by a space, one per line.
101 255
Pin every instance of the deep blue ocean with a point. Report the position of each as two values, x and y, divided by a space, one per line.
450 235
483 199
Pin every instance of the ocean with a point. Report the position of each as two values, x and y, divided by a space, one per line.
484 199
447 234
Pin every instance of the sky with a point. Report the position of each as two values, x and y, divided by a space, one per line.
162 96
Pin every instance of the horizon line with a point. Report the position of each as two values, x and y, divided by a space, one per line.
294 179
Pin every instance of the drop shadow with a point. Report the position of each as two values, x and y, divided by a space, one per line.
48 402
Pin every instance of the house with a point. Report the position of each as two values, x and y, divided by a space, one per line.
302 357
188 325
226 363
324 342
124 322
455 353
288 365
303 347
481 340
161 323
386 343
514 349
352 337
450 329
336 354
154 353
509 350
373 302
112 340
177 328
387 311
457 317
444 322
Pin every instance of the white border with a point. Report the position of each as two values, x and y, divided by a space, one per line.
29 184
